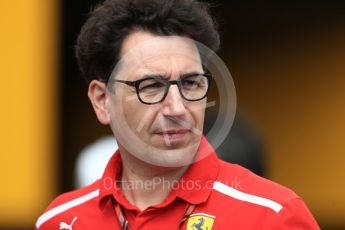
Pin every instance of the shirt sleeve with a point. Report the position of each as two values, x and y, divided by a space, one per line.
294 216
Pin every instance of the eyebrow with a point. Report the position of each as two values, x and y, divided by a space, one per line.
166 77
154 76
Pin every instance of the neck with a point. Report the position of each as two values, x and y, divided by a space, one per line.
145 185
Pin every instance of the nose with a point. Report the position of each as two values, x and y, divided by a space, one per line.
173 104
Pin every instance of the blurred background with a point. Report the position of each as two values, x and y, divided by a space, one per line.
287 59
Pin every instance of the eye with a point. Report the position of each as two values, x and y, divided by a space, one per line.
151 84
190 82
193 82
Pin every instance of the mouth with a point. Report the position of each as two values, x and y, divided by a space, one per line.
172 135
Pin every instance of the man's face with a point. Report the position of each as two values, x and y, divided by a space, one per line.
167 133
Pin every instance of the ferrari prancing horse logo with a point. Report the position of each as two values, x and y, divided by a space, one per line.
200 221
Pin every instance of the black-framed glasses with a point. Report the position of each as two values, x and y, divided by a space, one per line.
154 89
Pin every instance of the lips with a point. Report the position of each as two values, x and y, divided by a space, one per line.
172 136
172 131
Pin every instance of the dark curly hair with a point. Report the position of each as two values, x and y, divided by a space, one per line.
99 42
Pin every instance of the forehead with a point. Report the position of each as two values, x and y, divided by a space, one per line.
143 51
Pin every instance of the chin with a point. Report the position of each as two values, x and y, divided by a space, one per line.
171 157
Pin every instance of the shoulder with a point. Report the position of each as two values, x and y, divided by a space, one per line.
68 205
235 184
276 206
237 178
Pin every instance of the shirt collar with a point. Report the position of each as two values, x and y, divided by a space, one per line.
111 174
194 186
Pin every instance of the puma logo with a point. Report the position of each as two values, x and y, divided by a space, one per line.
63 225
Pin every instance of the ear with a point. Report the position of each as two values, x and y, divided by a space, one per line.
97 95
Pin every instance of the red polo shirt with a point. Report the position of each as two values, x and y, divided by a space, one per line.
225 196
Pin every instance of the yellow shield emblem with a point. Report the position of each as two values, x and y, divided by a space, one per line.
200 221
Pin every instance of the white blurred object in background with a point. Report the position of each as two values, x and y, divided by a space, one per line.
93 159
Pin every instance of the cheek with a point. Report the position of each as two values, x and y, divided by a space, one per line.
200 116
198 113
139 117
131 115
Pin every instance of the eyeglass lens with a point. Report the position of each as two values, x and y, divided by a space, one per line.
153 90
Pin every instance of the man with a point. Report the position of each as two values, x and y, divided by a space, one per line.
147 80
